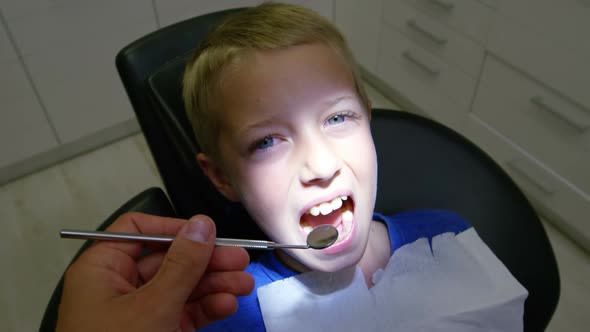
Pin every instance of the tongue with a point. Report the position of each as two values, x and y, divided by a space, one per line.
329 219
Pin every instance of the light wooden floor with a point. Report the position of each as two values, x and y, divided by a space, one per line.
81 192
78 193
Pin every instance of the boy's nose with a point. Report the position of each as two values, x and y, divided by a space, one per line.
320 165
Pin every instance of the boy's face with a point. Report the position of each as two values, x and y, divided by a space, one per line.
295 139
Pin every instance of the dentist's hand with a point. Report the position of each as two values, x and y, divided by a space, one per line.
113 287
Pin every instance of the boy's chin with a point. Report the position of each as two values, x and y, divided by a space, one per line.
333 264
303 261
335 268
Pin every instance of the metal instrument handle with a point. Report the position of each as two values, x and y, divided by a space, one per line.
220 242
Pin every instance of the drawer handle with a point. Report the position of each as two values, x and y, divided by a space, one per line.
444 4
526 170
579 123
431 69
417 27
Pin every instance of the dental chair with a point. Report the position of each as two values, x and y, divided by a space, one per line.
422 164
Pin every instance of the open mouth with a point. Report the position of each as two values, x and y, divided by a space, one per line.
338 212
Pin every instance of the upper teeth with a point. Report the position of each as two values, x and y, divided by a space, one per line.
327 207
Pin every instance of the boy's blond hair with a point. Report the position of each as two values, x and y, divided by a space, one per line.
268 26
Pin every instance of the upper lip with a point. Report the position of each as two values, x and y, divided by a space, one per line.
325 198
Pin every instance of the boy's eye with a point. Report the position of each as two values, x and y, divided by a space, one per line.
341 117
336 119
264 143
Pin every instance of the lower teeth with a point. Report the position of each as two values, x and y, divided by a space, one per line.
345 226
347 216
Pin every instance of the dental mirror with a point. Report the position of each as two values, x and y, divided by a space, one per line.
320 237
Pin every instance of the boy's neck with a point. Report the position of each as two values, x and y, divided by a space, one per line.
291 262
377 253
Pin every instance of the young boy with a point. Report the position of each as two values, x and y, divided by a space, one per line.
282 118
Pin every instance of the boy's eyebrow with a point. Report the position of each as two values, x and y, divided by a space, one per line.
264 123
336 101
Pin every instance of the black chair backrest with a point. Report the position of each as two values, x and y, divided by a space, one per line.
422 164
135 63
165 87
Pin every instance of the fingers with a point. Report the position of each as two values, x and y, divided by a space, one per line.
212 308
184 264
137 222
148 266
223 259
141 223
107 276
238 283
229 258
120 257
231 279
95 276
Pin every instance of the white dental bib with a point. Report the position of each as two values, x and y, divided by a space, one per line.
458 285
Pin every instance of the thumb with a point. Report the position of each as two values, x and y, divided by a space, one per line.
185 262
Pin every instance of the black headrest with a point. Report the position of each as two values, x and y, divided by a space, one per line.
165 87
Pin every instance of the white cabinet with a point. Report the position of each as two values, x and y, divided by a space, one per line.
172 11
468 17
512 76
549 126
69 51
429 82
434 37
552 62
540 137
6 50
564 23
358 21
60 92
24 130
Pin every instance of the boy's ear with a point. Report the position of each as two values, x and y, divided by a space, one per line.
217 176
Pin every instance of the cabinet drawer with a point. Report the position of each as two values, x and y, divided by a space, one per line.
425 80
565 22
542 122
434 36
470 17
564 69
552 197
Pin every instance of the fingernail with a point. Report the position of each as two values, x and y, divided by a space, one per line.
198 230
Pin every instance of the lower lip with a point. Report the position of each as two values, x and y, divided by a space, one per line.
342 244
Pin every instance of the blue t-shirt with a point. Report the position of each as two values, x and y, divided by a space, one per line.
403 229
